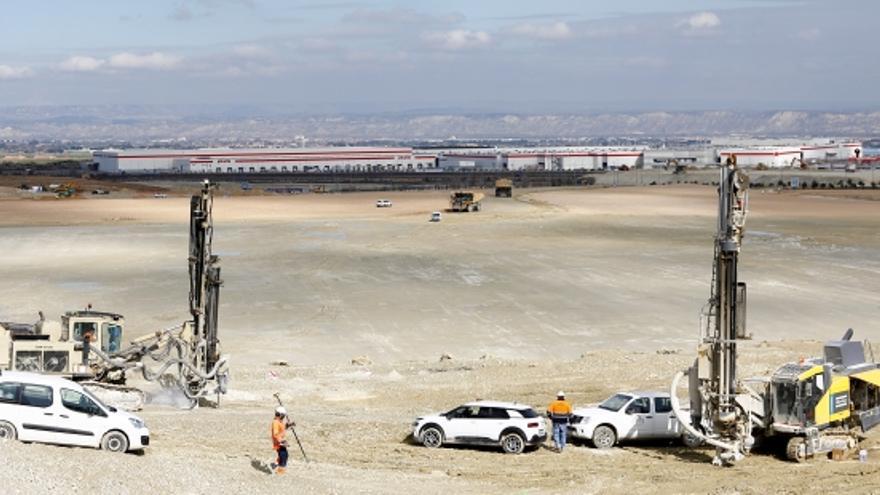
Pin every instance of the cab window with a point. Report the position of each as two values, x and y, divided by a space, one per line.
10 392
662 404
639 406
36 396
81 327
79 402
111 337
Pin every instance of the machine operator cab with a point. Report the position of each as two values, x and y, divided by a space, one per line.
104 328
840 389
58 350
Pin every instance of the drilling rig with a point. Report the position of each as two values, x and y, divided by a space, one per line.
720 403
87 346
814 406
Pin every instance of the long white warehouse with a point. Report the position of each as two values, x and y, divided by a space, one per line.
340 159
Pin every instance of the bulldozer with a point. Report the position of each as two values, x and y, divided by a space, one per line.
465 201
812 407
87 345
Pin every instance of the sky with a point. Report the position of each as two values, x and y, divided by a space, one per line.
512 56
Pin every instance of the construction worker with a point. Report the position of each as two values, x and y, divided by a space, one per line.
88 336
559 412
279 440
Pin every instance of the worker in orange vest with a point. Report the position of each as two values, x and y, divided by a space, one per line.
279 440
559 412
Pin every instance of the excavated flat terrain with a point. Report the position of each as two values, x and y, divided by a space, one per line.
591 291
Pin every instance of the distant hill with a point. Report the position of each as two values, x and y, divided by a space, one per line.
144 123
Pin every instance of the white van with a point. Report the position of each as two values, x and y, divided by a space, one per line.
50 409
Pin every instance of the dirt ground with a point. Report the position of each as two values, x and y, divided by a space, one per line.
592 291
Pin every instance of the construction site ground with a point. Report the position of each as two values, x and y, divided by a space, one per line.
587 290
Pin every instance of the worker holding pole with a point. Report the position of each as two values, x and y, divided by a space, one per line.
279 440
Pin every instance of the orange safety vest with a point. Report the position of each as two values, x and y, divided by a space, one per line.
278 431
559 408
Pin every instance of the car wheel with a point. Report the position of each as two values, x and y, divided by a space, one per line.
512 443
432 437
114 441
7 431
604 437
691 441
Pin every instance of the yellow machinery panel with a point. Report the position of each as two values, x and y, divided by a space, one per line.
872 377
834 405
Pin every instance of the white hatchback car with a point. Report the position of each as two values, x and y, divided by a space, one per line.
628 416
511 426
51 409
383 203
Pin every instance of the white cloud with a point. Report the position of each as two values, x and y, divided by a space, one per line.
318 44
645 62
10 72
155 60
809 34
399 15
543 31
457 39
251 51
700 22
79 63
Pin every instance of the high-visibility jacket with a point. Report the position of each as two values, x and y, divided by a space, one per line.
559 410
279 430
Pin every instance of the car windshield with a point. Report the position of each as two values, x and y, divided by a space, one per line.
615 402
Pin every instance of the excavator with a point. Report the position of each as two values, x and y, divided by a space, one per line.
812 407
87 345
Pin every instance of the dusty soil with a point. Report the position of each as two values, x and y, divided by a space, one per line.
555 289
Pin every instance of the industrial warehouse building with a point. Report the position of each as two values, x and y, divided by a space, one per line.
540 159
611 159
339 159
379 159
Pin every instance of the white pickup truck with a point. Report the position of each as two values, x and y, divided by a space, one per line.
628 416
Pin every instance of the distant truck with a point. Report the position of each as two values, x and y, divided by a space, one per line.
503 188
465 201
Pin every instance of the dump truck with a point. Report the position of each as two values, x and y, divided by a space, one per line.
503 188
465 201
87 345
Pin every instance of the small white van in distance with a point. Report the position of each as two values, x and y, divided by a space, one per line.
51 409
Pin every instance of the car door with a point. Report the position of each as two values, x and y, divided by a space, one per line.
80 420
10 407
37 414
462 423
490 422
639 409
664 423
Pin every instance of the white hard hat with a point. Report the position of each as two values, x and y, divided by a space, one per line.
560 394
280 411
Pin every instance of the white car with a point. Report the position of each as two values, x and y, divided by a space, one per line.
383 203
511 426
436 216
628 416
51 409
